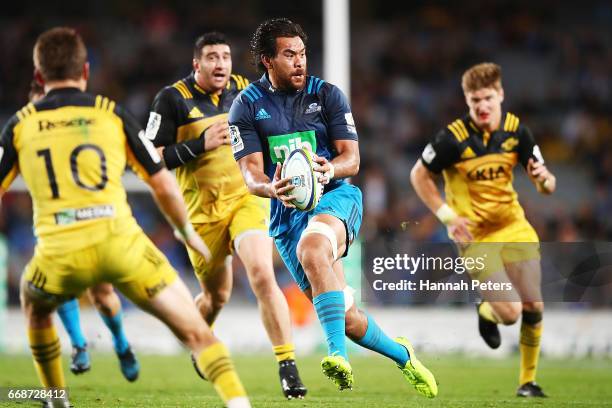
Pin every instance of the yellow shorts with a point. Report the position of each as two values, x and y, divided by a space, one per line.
514 242
252 213
130 261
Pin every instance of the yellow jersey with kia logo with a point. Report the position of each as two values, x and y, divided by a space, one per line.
477 168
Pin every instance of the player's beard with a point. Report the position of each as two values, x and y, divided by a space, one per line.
287 83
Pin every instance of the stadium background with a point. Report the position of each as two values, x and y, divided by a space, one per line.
406 63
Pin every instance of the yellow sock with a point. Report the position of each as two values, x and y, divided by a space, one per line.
485 310
47 354
284 352
530 351
218 368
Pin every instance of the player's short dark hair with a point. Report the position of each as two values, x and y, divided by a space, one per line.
484 75
60 53
263 43
211 38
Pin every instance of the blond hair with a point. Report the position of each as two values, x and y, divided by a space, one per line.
484 75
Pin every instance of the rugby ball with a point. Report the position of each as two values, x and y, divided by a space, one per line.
306 186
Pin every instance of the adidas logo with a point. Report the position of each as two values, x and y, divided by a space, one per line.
195 113
262 114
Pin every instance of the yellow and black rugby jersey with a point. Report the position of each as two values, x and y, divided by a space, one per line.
212 182
71 149
477 167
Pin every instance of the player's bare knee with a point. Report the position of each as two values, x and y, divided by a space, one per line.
196 336
509 313
262 282
314 253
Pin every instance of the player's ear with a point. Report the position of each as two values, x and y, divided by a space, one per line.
266 61
85 74
195 64
501 94
39 78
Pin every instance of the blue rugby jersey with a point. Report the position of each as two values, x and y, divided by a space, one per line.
274 122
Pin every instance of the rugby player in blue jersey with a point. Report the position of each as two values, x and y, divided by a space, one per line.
284 110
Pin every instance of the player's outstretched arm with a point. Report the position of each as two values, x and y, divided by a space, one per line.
424 184
542 178
170 201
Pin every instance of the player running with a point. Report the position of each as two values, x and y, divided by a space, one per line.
71 149
108 304
284 110
476 154
188 121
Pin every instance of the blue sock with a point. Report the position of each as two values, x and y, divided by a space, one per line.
115 325
376 340
330 310
70 316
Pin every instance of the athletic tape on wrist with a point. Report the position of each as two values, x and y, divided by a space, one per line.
445 214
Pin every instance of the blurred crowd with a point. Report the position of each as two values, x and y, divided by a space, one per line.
406 64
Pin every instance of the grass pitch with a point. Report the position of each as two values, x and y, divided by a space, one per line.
169 381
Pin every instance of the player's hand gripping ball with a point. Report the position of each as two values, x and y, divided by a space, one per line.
307 189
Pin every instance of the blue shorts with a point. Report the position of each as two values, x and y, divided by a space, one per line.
344 203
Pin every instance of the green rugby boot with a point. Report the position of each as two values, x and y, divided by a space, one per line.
416 373
337 369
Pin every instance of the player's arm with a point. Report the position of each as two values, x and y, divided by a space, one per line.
346 163
162 128
247 150
146 162
439 154
531 158
170 201
343 133
9 165
260 184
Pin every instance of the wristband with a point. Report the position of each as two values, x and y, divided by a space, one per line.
445 214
